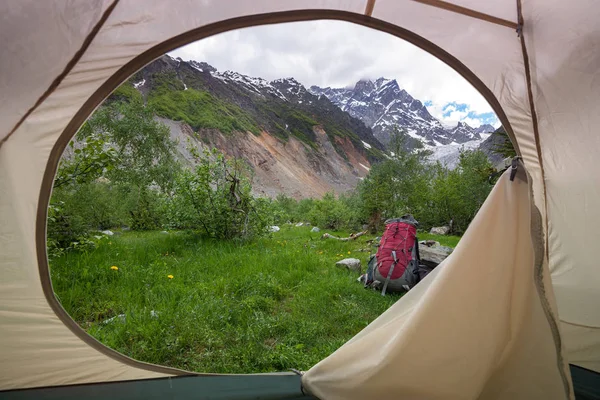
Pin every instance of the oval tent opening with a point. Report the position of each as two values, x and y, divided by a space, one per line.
215 212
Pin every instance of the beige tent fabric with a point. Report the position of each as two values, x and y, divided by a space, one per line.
36 349
41 38
565 55
566 65
474 328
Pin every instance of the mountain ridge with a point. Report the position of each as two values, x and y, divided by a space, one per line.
382 105
294 142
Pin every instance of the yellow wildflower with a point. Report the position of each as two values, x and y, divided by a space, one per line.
170 276
114 268
348 252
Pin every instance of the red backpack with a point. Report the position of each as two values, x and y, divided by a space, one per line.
396 264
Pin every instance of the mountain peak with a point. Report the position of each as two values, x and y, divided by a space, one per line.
364 86
461 124
382 105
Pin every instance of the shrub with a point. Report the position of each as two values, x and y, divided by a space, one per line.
215 198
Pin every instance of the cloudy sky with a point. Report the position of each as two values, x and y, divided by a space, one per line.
338 54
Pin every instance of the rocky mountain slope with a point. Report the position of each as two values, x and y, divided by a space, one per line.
497 146
383 105
295 142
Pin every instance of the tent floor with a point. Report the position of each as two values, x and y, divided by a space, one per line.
239 387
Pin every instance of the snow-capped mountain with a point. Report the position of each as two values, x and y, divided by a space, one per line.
485 130
383 105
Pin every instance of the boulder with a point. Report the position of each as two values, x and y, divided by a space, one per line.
433 255
315 229
440 230
107 233
274 228
430 243
353 264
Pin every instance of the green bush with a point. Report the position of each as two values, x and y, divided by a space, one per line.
329 212
215 198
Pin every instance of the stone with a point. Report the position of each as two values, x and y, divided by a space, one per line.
274 228
315 229
352 264
108 233
299 224
433 255
440 230
430 243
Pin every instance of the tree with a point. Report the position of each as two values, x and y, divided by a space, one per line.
504 146
143 147
459 193
398 185
215 197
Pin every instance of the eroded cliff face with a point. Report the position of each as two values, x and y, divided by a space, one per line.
291 167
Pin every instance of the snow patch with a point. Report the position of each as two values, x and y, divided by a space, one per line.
448 155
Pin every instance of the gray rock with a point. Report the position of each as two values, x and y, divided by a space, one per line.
440 230
107 233
353 264
429 243
274 228
434 254
315 229
299 224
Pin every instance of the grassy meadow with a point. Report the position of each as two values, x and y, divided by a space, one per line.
181 300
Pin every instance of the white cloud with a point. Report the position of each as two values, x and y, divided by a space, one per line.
473 122
337 54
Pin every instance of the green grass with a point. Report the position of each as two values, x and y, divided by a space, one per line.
269 305
450 241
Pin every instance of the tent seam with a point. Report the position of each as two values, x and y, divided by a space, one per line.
537 217
537 236
72 62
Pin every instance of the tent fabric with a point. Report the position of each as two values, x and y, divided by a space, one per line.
509 350
59 59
